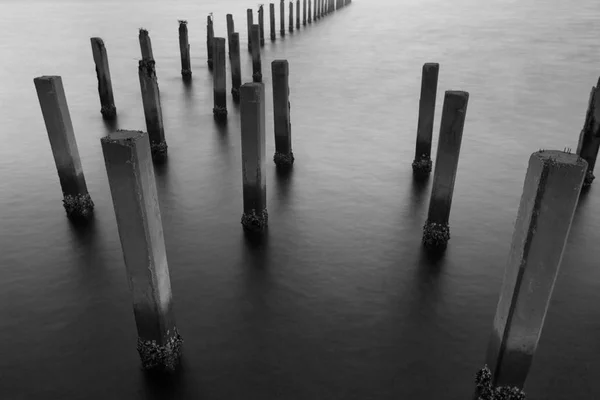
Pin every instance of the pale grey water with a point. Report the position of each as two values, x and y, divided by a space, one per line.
339 302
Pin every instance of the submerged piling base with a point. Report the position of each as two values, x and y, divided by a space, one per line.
257 77
159 151
589 178
186 73
435 235
78 207
422 166
486 390
108 112
220 113
283 160
253 222
235 93
160 358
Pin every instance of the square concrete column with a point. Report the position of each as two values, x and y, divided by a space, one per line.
219 81
105 90
133 189
281 18
236 69
309 17
230 30
272 21
152 109
210 36
316 7
422 163
297 14
53 102
256 63
252 110
261 24
436 231
284 157
291 17
250 22
145 45
589 138
303 12
550 195
184 49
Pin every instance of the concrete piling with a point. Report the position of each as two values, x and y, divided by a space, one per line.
76 200
303 12
436 231
107 100
422 163
261 25
152 109
255 217
210 38
272 21
284 157
256 63
133 189
230 30
291 17
184 49
219 81
281 18
316 7
297 14
550 194
145 45
250 22
309 12
589 138
236 69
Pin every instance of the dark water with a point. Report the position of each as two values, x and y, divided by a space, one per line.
338 302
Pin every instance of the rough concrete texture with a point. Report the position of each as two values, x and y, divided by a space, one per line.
429 79
133 188
145 45
105 90
53 102
219 81
484 389
184 49
230 30
236 69
282 18
550 195
261 24
291 17
284 157
252 110
436 231
210 37
250 22
309 17
152 109
256 63
272 21
589 138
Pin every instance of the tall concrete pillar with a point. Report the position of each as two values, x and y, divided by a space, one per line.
210 36
230 30
589 138
105 90
184 49
133 189
282 18
550 195
236 69
422 163
303 12
309 12
256 64
297 14
436 231
53 102
252 109
250 21
291 17
152 109
219 81
284 157
145 45
261 24
272 20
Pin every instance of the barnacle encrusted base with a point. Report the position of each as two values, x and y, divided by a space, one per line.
435 235
219 113
422 166
186 73
283 160
108 112
78 207
485 390
159 151
589 178
253 222
161 358
235 93
257 77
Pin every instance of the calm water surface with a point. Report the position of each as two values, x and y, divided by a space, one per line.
338 302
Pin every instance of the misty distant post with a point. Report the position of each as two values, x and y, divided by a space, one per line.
76 200
297 14
589 138
252 110
282 18
272 21
236 69
303 12
210 36
230 30
133 188
284 157
105 90
152 109
145 45
550 194
219 79
422 163
184 49
261 24
250 22
316 8
291 17
436 231
309 12
256 63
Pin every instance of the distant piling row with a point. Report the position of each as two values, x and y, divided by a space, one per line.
107 101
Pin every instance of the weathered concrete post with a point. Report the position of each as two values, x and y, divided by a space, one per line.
291 17
309 12
210 38
133 189
297 14
550 195
303 12
261 24
107 100
252 110
422 163
284 157
184 49
236 69
589 139
436 231
53 102
145 45
250 21
281 18
152 109
272 20
230 30
219 81
256 63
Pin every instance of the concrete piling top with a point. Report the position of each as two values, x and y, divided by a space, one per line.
280 67
558 158
124 137
430 65
251 92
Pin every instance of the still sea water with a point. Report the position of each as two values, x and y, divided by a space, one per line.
338 302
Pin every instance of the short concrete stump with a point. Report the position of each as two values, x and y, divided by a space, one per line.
220 113
160 358
159 151
235 93
186 73
283 160
78 207
435 235
589 178
108 112
253 222
422 166
485 389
